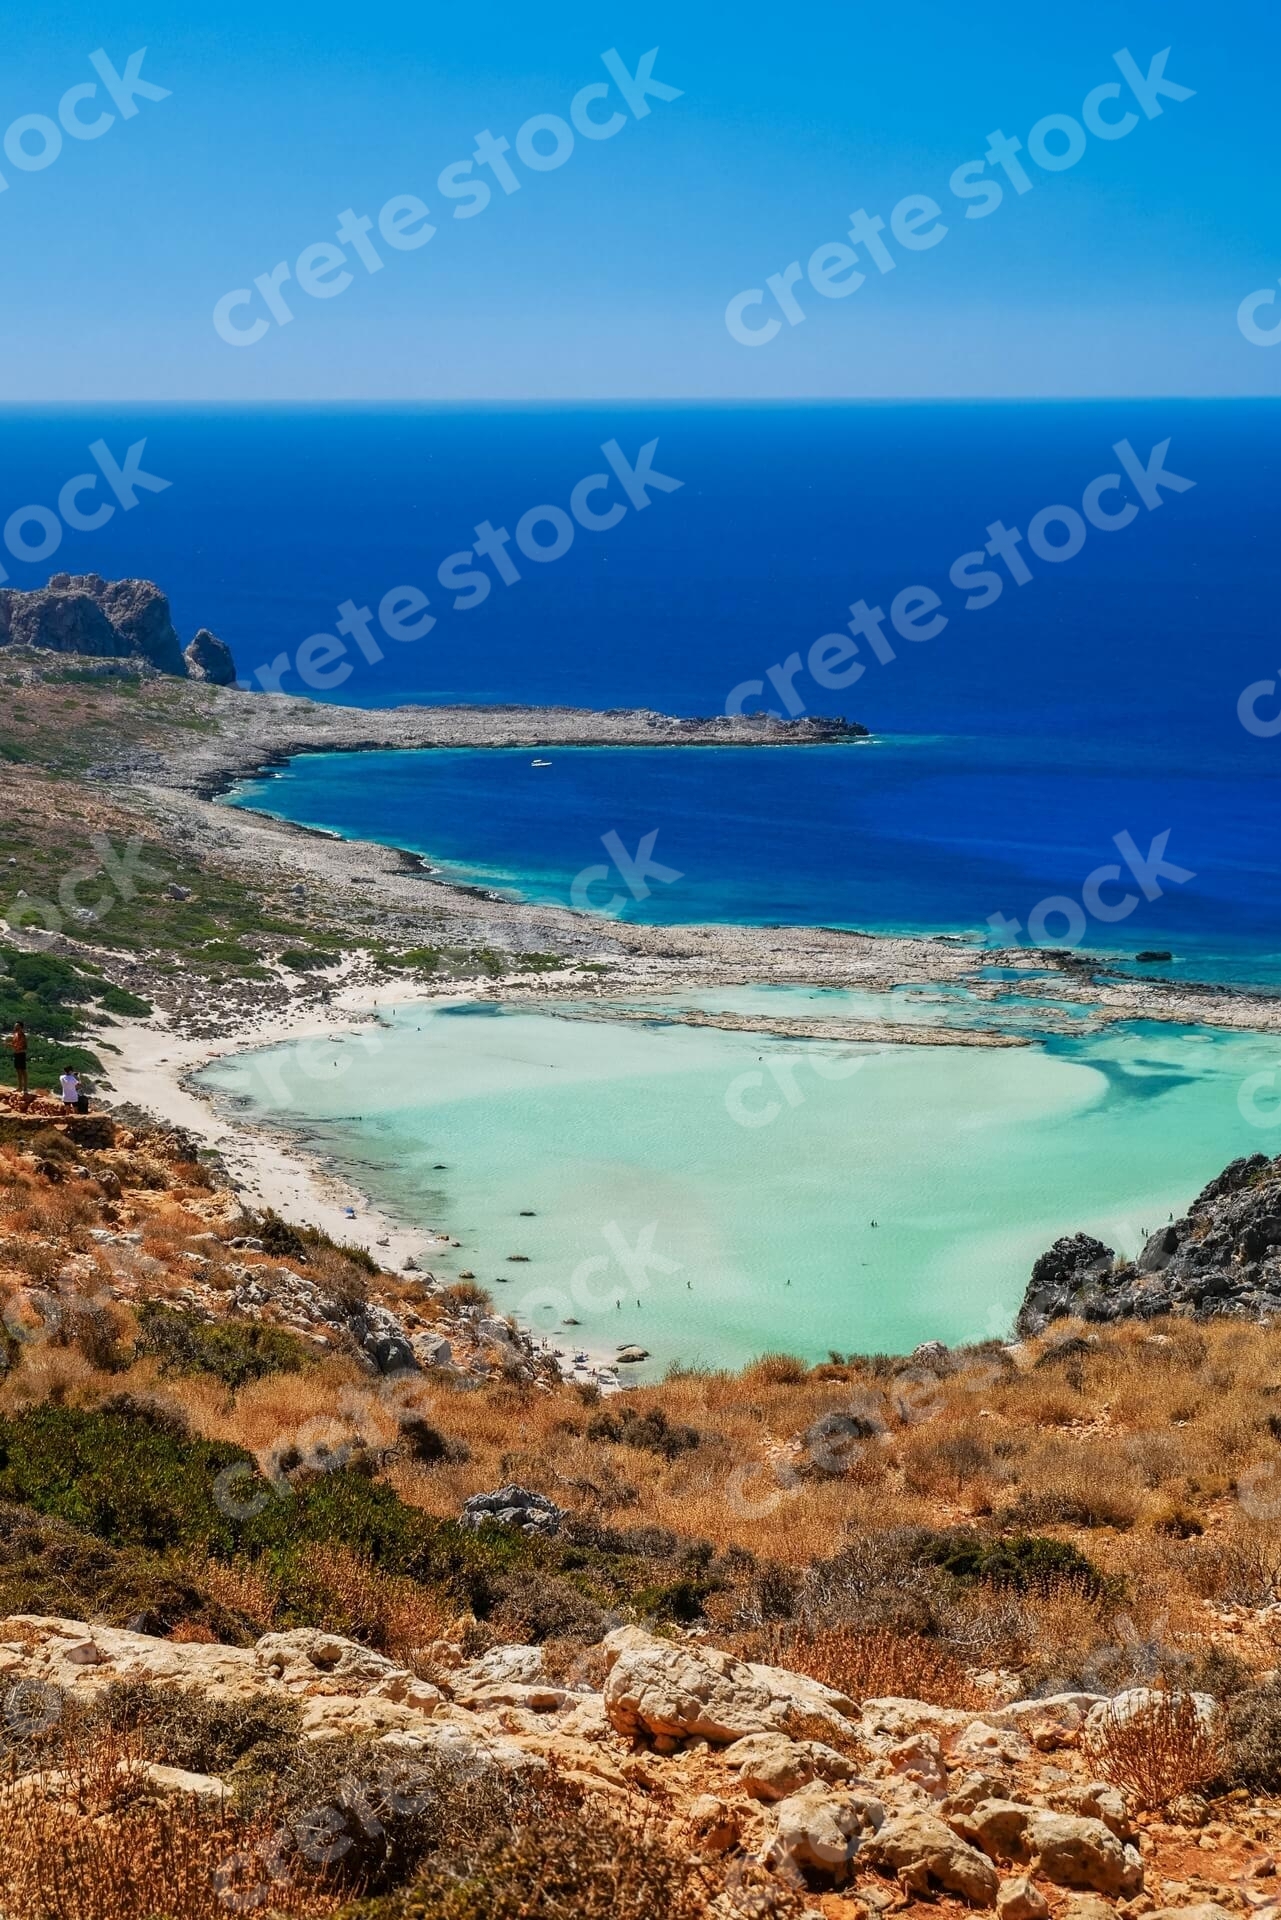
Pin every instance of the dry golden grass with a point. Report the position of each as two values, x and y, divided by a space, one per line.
392 1614
91 1839
873 1665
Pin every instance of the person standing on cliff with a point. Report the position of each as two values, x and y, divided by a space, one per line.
17 1045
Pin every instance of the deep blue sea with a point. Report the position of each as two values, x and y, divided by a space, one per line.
1098 698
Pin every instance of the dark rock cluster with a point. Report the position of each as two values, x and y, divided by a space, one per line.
1222 1257
109 619
513 1507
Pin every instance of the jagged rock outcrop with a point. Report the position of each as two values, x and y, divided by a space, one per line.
109 619
513 1507
209 658
1222 1257
63 621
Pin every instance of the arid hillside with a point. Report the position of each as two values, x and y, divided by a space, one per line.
795 1639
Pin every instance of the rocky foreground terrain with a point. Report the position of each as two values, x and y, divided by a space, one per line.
322 1591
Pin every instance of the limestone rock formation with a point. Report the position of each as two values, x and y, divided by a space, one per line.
678 1692
927 1856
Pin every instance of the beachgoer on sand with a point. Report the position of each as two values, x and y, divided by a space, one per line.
17 1045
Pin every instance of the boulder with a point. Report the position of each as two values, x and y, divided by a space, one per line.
819 1831
920 1760
1203 1910
176 1780
1018 1899
714 1825
507 1677
209 658
306 1660
1067 1711
967 1793
770 1766
678 1691
1076 1852
927 1856
1069 1849
513 1506
997 1827
1099 1801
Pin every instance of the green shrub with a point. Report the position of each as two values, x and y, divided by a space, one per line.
50 1567
306 959
130 1006
234 1351
1023 1562
131 1474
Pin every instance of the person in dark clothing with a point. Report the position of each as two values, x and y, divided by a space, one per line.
17 1044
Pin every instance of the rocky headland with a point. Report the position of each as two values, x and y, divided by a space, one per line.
101 619
1223 1257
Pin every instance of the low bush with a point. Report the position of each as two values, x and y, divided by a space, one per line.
1025 1562
202 1732
650 1431
1164 1749
49 1567
233 1351
1254 1738
876 1664
1079 1506
373 1816
560 1861
778 1370
130 1473
107 1848
426 1444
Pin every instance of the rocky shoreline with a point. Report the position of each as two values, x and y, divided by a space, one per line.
261 730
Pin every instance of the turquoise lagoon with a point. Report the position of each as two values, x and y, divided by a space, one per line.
711 1193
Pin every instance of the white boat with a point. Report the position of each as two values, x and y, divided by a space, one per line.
540 763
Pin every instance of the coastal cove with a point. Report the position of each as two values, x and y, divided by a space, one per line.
710 1194
904 835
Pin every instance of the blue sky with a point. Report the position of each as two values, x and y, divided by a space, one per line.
610 275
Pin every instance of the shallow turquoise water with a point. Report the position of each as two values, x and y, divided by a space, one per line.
711 1193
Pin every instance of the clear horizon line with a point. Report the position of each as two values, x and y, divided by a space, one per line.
635 400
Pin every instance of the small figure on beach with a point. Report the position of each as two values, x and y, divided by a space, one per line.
17 1045
74 1097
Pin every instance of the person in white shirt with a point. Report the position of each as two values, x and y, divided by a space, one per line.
70 1085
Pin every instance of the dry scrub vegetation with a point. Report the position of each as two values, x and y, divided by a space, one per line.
1093 1509
778 1505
